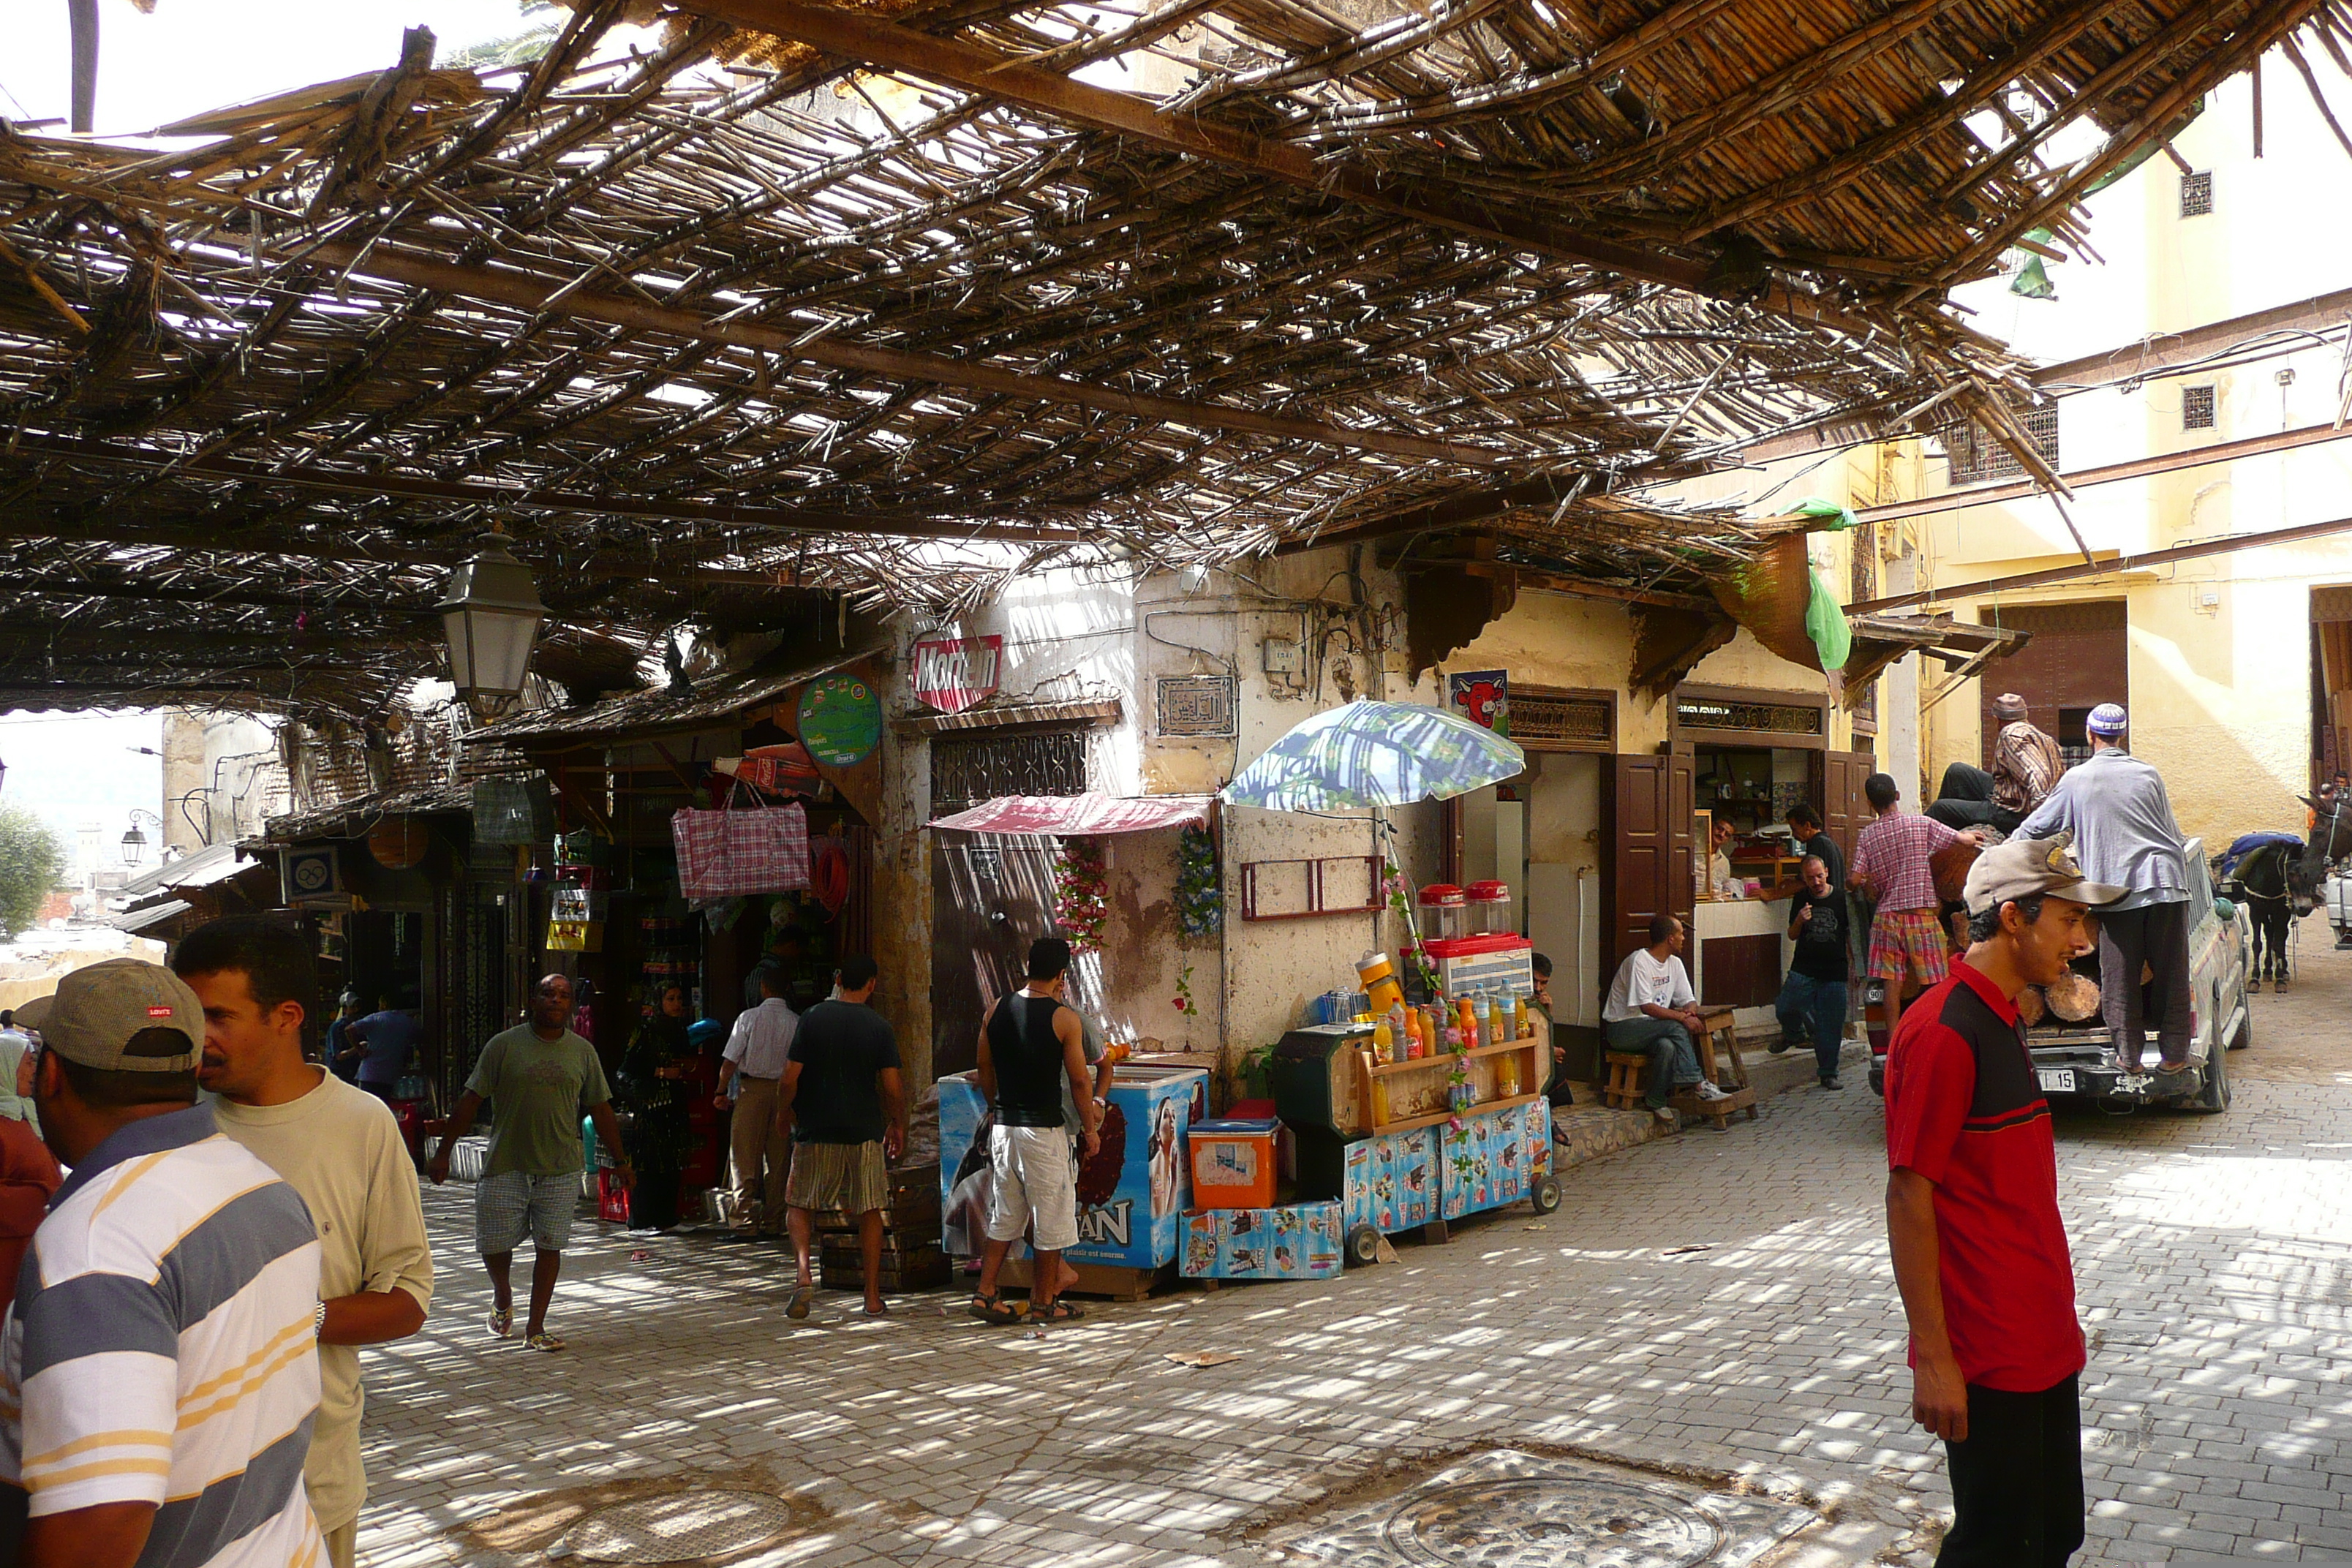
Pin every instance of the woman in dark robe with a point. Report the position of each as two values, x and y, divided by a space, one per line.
650 1091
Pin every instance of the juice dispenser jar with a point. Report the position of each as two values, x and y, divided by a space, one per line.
1445 912
1490 907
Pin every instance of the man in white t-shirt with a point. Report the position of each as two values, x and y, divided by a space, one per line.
1652 1011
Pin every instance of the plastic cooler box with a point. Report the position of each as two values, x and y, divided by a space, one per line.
1467 964
1232 1164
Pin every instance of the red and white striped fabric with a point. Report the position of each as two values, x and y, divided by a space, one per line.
731 854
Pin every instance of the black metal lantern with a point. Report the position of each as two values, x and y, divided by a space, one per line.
490 614
134 846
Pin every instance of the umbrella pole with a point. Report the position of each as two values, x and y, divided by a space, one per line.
1385 836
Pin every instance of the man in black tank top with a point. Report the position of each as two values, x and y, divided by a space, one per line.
1029 1044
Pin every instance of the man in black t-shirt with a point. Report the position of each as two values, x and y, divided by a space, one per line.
1805 831
841 1099
1812 999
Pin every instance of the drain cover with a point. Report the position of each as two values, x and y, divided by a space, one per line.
680 1527
1590 1522
1513 1510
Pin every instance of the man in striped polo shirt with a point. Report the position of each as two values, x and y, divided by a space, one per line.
161 1367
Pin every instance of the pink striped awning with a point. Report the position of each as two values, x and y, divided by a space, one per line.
1086 815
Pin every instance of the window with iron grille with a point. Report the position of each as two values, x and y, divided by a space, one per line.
967 769
1862 700
1976 457
2197 194
1555 720
2196 408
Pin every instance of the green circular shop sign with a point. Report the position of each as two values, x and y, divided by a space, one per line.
841 720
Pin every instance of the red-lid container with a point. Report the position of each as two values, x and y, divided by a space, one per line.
1443 895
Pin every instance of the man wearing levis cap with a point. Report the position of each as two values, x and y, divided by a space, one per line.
1972 1220
160 1373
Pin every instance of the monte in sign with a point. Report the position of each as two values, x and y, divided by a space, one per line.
952 674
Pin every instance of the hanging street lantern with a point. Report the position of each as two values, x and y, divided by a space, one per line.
134 846
490 614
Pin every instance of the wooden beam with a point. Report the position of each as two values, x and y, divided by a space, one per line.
540 293
2107 474
475 492
2161 353
603 565
2226 546
863 36
1454 512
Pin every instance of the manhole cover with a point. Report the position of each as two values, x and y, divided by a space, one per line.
680 1527
1546 1520
1507 1509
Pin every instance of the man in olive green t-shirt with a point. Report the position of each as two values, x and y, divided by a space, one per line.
539 1078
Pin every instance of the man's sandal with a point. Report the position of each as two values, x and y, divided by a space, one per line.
799 1305
502 1321
1056 1311
991 1307
542 1342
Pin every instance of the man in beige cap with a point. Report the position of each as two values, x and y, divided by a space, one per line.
1981 1254
2025 768
159 1361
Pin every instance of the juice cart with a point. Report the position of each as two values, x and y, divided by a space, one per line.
1403 1157
1131 1195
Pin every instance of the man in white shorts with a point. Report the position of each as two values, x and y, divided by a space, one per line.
1030 1044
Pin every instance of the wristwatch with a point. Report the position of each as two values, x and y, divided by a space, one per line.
319 1329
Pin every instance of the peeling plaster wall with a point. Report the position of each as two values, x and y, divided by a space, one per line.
1086 636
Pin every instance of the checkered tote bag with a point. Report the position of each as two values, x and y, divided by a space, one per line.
736 851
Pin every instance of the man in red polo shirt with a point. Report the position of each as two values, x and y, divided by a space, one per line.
1972 1219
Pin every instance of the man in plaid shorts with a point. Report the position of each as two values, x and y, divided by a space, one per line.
1890 863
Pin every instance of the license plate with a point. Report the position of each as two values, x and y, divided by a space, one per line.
2056 1081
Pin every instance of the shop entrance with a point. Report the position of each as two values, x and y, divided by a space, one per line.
384 960
2331 683
991 894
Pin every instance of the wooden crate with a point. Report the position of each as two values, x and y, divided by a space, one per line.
913 1207
913 1266
1115 1281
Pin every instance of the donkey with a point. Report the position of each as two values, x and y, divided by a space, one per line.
2269 880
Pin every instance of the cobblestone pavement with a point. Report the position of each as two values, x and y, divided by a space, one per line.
1716 1302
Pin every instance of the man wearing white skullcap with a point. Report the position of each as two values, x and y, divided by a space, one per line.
2121 817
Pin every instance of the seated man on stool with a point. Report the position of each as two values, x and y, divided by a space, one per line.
1652 1011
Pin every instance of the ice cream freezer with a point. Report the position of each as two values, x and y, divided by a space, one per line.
1133 1193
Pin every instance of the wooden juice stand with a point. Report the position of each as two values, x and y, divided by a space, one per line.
1381 1138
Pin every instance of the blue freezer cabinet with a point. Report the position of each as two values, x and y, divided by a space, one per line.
1133 1193
1395 1181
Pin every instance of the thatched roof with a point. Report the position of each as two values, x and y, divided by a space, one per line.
884 303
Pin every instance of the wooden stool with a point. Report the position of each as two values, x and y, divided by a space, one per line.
1623 1089
1738 1094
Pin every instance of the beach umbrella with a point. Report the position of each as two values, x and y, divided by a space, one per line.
1375 755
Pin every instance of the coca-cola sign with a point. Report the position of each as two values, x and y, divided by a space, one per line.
954 673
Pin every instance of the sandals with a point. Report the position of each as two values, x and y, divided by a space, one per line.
542 1342
502 1321
802 1296
994 1309
1056 1311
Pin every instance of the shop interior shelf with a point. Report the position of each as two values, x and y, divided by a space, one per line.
1446 1059
1413 1123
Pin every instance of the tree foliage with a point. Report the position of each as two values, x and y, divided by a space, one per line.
32 866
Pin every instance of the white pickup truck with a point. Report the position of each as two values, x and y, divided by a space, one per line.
2074 1063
